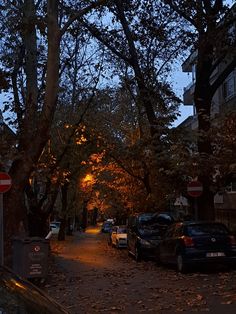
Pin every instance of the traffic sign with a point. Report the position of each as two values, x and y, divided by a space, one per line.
194 188
5 182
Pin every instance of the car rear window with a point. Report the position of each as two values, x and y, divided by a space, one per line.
146 218
206 229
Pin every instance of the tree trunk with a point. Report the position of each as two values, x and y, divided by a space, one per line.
31 143
84 216
203 98
62 231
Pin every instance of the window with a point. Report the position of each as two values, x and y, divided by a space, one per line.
206 229
229 86
121 230
231 187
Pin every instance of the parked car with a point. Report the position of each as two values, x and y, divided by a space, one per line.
187 244
119 236
112 220
107 226
144 232
55 227
20 296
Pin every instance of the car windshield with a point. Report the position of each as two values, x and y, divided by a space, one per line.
55 224
150 231
152 219
147 219
206 229
121 230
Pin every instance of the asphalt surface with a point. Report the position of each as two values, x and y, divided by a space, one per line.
88 276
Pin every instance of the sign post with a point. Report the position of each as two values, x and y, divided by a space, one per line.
5 185
194 189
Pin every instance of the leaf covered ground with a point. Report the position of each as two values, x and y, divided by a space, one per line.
88 276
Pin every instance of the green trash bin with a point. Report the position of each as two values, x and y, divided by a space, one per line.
30 257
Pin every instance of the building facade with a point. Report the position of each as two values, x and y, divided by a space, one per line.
224 101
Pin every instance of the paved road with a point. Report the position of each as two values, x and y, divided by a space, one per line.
91 277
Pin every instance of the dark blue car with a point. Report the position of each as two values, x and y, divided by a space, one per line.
144 232
187 244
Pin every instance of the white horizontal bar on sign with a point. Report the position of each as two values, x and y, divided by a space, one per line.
5 182
195 188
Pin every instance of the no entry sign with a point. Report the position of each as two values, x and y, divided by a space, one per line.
5 182
195 188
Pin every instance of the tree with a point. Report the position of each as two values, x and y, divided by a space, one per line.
123 175
214 45
144 45
34 104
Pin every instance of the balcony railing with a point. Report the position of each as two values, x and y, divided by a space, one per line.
190 86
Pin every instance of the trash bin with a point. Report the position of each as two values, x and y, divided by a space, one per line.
30 257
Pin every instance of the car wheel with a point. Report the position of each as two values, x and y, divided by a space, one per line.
181 265
137 254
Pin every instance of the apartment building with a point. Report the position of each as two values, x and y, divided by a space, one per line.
224 101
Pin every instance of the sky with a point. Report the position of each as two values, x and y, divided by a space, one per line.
179 80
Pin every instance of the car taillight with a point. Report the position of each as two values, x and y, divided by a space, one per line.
188 241
232 240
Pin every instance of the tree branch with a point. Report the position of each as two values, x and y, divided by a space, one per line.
128 171
129 38
181 12
81 13
98 35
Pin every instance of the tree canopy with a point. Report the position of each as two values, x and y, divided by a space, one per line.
88 88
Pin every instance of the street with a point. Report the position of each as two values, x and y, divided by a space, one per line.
89 276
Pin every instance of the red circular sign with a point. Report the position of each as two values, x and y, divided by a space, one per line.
37 248
5 182
195 188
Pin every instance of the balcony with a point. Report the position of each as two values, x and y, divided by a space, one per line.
190 123
189 62
189 94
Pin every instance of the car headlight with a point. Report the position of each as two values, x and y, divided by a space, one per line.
145 243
